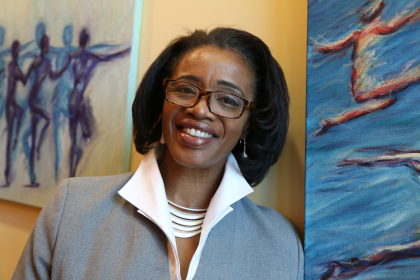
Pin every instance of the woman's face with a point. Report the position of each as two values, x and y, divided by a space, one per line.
210 69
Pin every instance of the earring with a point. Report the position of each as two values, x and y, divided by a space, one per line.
162 139
244 155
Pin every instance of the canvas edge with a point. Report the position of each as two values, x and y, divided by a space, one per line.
306 137
132 81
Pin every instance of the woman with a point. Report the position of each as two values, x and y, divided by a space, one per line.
211 117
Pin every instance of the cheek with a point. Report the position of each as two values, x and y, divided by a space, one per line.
167 130
233 130
168 115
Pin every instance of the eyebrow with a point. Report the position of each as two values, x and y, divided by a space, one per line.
189 77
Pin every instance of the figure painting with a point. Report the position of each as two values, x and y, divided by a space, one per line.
64 74
362 154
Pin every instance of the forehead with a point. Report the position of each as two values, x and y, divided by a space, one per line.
210 65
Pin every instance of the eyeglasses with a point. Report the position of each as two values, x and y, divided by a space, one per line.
221 103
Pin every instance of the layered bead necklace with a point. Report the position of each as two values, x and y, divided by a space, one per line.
186 224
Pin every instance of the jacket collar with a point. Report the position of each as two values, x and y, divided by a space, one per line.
146 191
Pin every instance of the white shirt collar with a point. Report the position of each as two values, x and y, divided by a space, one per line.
146 191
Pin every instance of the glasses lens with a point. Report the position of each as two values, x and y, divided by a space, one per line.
226 105
181 93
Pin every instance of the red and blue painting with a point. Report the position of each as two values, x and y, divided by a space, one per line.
362 140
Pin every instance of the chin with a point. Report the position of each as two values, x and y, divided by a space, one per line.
195 159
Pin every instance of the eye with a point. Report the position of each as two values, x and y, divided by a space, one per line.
229 101
182 90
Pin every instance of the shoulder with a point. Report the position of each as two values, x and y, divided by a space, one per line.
100 179
270 233
265 216
271 228
264 222
89 192
92 184
83 202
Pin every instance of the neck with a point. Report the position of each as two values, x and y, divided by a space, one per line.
189 187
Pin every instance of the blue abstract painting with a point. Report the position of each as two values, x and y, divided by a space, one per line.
64 79
362 140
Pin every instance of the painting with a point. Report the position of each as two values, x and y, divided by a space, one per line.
362 218
67 78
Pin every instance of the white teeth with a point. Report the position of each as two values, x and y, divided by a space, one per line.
196 133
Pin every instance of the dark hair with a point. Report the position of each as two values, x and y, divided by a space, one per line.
369 13
268 122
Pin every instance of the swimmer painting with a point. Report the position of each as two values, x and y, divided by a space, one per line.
409 159
360 43
65 75
362 147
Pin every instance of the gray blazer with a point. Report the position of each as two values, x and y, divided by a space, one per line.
88 231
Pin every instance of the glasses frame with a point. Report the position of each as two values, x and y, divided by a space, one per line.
247 103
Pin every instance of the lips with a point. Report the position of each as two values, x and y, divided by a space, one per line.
195 134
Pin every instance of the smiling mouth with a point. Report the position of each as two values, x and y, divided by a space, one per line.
196 133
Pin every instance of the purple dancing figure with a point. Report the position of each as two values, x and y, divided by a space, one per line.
63 88
84 63
14 112
3 53
61 91
41 67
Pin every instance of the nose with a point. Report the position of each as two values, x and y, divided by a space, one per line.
201 110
